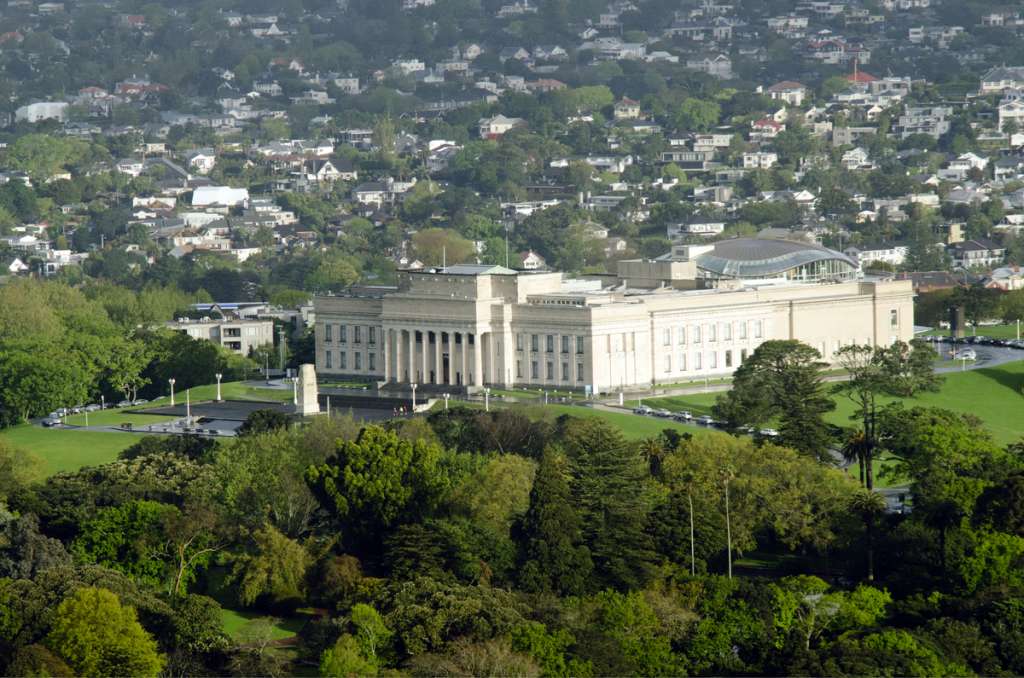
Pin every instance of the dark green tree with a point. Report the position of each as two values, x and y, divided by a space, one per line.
783 380
552 557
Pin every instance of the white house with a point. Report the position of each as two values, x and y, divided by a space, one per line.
492 128
220 196
891 253
202 161
43 110
530 261
760 160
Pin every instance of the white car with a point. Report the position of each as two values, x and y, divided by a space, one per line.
643 409
965 354
705 420
769 432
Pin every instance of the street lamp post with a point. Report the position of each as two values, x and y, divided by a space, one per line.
219 377
487 399
171 382
295 390
413 386
188 407
103 402
446 397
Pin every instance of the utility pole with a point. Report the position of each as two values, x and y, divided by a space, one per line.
281 347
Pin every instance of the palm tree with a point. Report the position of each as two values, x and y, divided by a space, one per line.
869 505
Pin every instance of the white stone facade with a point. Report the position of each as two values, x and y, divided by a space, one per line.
470 327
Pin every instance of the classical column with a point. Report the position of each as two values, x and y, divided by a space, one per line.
478 366
465 356
396 355
412 355
451 358
425 356
438 358
386 338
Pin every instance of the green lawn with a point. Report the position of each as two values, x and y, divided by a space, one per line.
631 425
993 394
994 331
240 625
67 449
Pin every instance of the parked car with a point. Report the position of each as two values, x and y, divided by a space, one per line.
705 420
63 411
139 401
965 354
125 403
769 432
642 409
682 415
91 408
51 421
664 414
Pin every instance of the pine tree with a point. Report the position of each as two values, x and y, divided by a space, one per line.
552 556
611 490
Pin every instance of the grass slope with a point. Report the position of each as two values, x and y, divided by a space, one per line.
68 449
993 394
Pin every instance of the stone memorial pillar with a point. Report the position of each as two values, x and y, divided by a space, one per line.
308 392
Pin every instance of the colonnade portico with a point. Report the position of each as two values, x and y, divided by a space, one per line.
433 356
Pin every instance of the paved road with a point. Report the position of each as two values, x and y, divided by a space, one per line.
988 356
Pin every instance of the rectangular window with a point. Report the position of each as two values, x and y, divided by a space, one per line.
743 329
551 371
519 342
712 361
696 334
728 358
534 372
342 333
565 343
327 357
358 359
682 362
696 361
579 371
743 355
550 343
565 371
327 333
342 362
519 369
371 362
579 345
666 336
758 328
894 318
682 335
534 342
357 335
713 332
727 331
372 336
668 363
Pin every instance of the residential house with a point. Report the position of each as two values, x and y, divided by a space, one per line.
1002 79
700 227
760 160
931 120
857 159
492 128
1005 278
977 253
718 65
627 109
530 261
202 161
765 129
890 253
787 91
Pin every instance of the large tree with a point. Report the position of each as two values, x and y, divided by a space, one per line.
98 636
781 380
553 558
